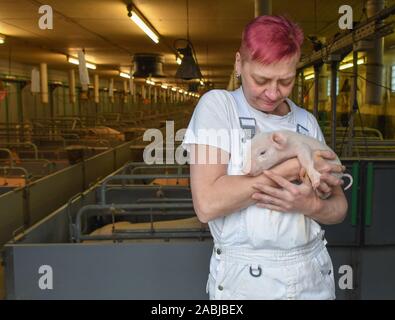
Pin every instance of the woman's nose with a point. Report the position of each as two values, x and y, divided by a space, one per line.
272 93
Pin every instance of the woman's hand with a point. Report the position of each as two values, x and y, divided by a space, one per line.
289 198
323 166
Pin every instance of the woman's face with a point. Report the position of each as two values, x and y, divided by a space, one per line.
265 86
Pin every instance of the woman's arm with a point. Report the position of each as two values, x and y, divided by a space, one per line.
332 210
301 199
215 193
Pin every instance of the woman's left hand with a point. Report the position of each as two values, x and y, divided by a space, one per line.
288 198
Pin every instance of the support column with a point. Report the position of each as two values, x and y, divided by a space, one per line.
263 7
374 64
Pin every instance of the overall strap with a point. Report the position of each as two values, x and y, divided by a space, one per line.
247 122
301 117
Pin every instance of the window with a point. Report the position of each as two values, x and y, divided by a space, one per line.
393 78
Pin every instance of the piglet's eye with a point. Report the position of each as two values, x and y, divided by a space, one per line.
262 153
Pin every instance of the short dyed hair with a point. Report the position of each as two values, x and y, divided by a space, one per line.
269 39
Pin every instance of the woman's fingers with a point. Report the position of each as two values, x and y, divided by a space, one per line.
282 182
270 207
323 187
271 191
337 168
331 180
265 199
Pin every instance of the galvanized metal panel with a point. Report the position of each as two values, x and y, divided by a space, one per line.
111 271
345 256
55 227
123 154
379 217
377 272
51 192
11 214
99 166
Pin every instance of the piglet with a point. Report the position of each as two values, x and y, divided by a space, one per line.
266 150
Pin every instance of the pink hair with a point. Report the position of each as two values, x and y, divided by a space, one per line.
268 39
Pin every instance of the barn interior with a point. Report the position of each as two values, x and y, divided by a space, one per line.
86 86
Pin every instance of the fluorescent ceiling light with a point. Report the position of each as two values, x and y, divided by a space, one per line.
310 76
350 64
124 75
152 83
2 39
75 61
164 86
143 26
174 89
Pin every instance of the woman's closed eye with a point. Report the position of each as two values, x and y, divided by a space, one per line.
261 82
286 82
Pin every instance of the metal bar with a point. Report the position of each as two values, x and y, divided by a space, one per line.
334 66
5 168
7 117
317 69
9 154
150 200
152 235
354 193
22 144
19 104
369 195
109 209
132 177
364 30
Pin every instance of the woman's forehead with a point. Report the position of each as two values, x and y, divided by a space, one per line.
271 72
282 69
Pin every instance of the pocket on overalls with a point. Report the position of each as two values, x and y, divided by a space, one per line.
232 281
257 282
324 269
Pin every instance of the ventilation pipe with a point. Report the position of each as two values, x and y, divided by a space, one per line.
72 95
111 90
125 91
96 88
263 7
44 82
35 78
83 71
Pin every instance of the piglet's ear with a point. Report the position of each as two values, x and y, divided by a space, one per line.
278 139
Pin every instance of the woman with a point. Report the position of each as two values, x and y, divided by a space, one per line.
268 243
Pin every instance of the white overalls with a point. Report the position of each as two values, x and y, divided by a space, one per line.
259 253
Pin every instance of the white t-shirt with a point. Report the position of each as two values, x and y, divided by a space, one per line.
251 227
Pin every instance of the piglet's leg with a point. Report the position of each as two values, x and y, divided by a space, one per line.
306 160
